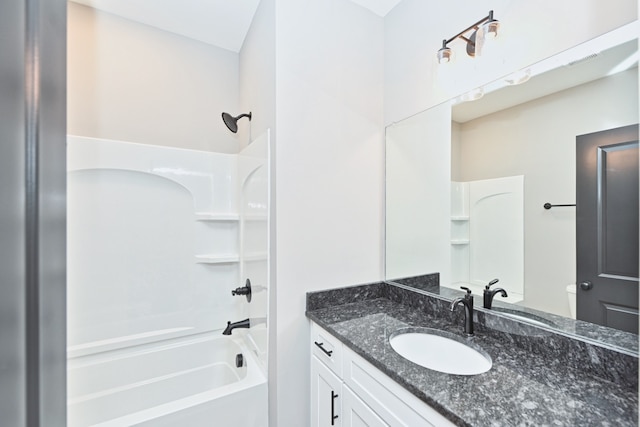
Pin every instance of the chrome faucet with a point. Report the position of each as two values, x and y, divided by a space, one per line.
489 294
467 302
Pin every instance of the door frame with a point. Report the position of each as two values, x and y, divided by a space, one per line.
33 215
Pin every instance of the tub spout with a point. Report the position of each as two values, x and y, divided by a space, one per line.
231 326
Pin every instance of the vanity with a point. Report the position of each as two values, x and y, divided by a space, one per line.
498 191
538 376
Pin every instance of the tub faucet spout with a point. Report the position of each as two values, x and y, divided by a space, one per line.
231 326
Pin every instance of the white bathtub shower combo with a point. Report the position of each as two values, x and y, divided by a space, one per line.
158 238
487 235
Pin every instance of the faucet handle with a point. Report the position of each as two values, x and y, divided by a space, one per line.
491 283
464 288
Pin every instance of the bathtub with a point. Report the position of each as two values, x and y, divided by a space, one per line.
186 382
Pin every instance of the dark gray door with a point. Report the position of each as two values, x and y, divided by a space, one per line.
32 212
607 227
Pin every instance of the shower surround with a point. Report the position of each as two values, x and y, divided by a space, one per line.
158 238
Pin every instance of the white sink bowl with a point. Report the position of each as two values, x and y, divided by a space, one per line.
440 351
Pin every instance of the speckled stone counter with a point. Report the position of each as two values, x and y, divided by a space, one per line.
537 378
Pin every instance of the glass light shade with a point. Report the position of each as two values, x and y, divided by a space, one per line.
490 28
477 38
518 77
444 55
472 95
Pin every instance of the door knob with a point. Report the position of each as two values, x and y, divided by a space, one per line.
586 285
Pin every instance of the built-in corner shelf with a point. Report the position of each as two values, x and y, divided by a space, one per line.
213 216
217 259
459 241
460 230
230 259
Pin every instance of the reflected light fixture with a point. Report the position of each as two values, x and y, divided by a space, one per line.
518 77
474 35
472 95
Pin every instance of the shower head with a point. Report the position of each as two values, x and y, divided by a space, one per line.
232 122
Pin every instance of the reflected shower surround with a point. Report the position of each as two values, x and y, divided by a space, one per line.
158 238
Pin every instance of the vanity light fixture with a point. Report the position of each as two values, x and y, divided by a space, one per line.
485 28
472 95
518 77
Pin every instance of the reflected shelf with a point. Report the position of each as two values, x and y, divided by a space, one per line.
217 259
460 242
216 216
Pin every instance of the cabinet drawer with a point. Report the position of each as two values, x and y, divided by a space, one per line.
326 348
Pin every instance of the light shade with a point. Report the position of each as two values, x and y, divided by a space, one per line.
472 95
490 28
518 77
476 34
444 53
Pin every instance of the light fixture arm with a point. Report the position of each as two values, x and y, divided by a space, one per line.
475 26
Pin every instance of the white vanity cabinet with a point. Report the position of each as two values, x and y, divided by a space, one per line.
326 396
348 391
332 402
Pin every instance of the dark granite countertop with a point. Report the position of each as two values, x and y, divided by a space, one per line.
620 341
527 385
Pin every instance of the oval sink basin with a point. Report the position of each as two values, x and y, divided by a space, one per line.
440 351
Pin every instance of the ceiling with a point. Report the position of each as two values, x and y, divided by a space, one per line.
222 23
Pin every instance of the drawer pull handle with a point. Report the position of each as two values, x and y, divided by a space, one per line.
333 399
320 345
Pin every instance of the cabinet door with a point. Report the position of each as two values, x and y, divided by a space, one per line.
326 390
355 413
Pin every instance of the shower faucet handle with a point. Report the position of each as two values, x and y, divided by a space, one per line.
245 290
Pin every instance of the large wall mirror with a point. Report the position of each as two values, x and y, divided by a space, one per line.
475 210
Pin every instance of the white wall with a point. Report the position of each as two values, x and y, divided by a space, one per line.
329 156
530 31
131 82
539 142
257 73
257 94
418 216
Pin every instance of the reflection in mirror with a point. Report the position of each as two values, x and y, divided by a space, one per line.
508 163
511 152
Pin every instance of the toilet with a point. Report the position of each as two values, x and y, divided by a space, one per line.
571 294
